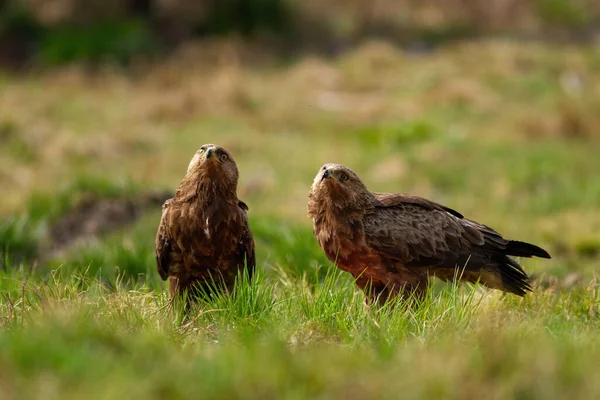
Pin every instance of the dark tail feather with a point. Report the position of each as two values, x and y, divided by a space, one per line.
514 278
501 272
522 249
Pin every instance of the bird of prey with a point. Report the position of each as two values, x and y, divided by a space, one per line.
391 243
204 239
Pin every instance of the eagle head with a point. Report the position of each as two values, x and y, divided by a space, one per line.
215 164
341 187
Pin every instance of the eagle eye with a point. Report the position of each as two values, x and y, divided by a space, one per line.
223 157
201 151
343 177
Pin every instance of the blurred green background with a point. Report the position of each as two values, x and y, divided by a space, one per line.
493 109
52 32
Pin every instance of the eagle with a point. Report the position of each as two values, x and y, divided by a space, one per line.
392 243
203 239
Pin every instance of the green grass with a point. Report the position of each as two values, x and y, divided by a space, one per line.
284 338
506 142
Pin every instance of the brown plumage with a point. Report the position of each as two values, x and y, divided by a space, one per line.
203 236
391 243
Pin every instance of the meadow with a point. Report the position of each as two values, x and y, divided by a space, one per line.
507 133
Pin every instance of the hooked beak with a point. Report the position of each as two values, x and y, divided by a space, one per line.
210 153
326 175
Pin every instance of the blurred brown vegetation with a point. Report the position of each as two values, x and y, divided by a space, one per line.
58 31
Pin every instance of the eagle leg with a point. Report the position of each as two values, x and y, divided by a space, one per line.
378 293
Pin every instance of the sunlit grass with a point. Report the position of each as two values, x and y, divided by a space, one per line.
74 335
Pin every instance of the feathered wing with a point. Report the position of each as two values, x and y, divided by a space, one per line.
247 243
164 243
399 199
416 233
420 233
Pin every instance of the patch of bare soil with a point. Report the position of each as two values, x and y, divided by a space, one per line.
94 216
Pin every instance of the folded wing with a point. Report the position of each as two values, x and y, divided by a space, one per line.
423 234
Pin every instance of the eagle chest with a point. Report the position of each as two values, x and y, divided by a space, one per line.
341 240
344 243
215 235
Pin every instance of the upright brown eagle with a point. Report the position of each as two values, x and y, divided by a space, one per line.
203 238
391 243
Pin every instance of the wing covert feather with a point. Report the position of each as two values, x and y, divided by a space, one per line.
163 242
418 233
247 242
401 199
248 247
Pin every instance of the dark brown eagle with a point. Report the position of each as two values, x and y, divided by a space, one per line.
391 243
203 239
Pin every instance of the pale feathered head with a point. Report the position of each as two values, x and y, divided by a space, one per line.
213 166
340 187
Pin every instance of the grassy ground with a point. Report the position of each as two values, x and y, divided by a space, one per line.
506 133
